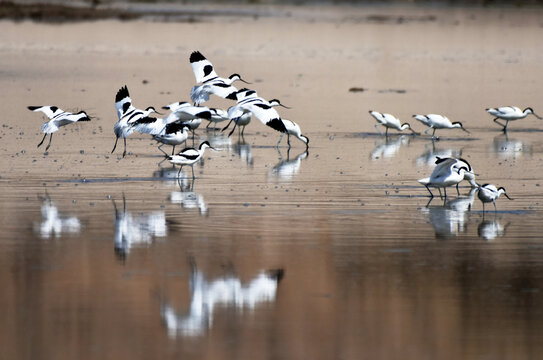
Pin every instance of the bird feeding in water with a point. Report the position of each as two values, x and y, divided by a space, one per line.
173 134
189 156
128 116
444 175
57 119
294 130
210 82
489 193
510 113
389 122
435 121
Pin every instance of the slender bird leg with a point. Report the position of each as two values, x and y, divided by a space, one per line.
457 191
243 131
41 142
445 191
209 123
280 138
233 129
428 188
114 146
124 152
501 124
164 152
386 133
48 145
193 177
483 210
173 150
434 134
227 125
426 131
440 194
179 173
495 209
378 130
288 140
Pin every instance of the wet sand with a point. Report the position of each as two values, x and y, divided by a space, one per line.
371 270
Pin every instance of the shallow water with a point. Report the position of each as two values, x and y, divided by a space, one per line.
149 266
333 253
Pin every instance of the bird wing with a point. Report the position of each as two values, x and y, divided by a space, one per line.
267 114
223 90
123 103
148 125
202 68
49 111
508 110
189 113
189 154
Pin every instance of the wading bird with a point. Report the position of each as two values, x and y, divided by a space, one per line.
448 174
189 156
510 113
128 115
389 122
57 119
435 121
489 193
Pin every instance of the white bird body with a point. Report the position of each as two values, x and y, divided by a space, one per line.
389 122
57 119
173 134
489 193
436 121
189 156
447 173
510 113
210 82
128 115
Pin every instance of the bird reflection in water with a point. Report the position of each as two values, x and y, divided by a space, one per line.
287 169
450 219
136 230
508 148
389 146
53 223
187 197
227 292
491 229
244 151
429 157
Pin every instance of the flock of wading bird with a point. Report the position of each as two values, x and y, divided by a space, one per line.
173 129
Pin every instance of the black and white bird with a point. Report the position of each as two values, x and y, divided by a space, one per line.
250 102
188 114
128 116
217 116
294 130
435 121
489 193
189 156
173 134
389 122
469 176
446 173
510 113
57 119
210 82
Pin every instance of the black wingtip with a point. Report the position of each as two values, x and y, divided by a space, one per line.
205 115
196 56
277 124
122 93
33 108
277 274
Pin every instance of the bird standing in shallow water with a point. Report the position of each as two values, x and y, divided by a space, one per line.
445 174
189 156
435 121
389 122
489 193
128 116
510 113
57 119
